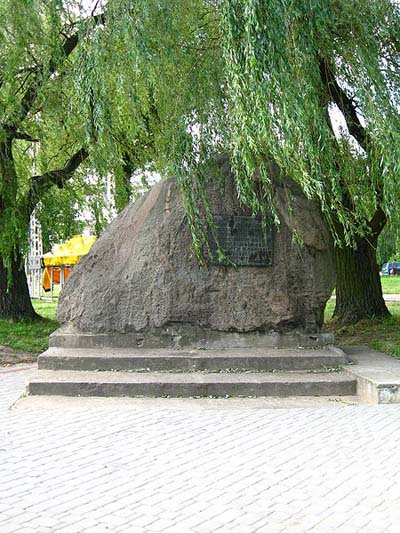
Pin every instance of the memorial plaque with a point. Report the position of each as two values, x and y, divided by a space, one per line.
243 239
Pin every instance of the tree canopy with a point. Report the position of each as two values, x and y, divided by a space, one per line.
166 85
57 97
314 86
59 108
291 67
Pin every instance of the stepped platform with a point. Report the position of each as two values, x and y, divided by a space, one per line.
124 359
164 384
124 372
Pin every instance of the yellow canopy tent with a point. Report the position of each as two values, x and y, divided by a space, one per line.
63 256
69 253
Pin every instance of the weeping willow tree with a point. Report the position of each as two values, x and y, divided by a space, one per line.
59 111
311 85
314 85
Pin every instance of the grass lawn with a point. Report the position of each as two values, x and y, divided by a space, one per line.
30 336
46 309
380 333
390 284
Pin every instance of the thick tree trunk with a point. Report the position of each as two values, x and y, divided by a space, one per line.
15 302
358 285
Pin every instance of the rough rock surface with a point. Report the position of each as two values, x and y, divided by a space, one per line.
141 274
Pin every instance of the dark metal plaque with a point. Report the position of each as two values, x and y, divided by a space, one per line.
243 239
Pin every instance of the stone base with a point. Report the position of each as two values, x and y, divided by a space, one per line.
189 361
165 384
377 374
186 361
187 336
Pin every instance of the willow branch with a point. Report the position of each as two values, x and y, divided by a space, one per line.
44 72
41 184
378 221
356 129
21 135
344 103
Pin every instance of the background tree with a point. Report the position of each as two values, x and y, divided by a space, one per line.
84 203
58 111
58 216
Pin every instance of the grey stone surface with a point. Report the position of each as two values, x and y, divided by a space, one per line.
118 372
141 275
193 404
377 374
76 383
183 336
250 359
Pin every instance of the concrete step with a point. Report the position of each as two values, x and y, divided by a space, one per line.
162 384
190 360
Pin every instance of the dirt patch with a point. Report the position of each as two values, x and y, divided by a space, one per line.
9 356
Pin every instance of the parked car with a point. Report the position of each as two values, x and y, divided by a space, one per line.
387 268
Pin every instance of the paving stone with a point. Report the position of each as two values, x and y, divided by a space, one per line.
146 468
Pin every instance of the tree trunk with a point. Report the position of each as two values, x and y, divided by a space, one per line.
358 284
15 302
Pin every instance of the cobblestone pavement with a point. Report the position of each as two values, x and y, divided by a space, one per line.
169 469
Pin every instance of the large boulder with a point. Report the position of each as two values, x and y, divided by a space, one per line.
142 279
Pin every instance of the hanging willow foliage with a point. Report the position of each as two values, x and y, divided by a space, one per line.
172 83
289 65
65 100
312 85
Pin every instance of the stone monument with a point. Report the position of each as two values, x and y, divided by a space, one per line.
142 286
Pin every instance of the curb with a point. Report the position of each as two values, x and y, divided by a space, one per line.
377 374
